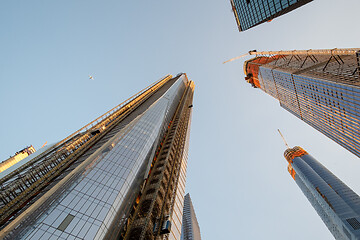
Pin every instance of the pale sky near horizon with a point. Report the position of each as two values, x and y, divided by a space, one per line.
237 176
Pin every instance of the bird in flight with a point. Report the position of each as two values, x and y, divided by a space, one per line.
91 77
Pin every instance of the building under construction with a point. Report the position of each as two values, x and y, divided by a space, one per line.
321 87
122 176
337 205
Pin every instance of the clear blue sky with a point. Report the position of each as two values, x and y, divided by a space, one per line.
237 176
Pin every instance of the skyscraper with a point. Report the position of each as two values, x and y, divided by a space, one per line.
321 87
122 176
250 13
337 205
190 226
20 155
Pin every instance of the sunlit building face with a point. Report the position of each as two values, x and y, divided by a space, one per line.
322 90
121 176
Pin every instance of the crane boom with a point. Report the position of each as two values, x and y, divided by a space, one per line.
230 60
283 138
334 51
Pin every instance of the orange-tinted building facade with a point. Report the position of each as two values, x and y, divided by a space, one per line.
336 204
322 90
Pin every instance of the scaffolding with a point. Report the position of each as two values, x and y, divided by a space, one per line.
339 65
335 51
157 200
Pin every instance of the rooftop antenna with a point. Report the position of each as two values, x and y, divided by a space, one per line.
283 139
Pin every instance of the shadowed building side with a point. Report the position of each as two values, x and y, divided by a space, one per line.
337 205
190 226
250 13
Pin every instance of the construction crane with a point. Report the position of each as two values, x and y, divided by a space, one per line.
241 56
230 60
335 51
44 144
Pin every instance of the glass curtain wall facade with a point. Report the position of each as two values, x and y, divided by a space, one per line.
159 211
322 90
190 226
337 205
250 13
95 196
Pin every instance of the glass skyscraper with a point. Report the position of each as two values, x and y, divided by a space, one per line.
250 13
122 176
321 87
337 205
20 155
190 226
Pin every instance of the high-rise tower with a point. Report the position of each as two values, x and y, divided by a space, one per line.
321 87
20 155
122 176
337 205
190 226
250 13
